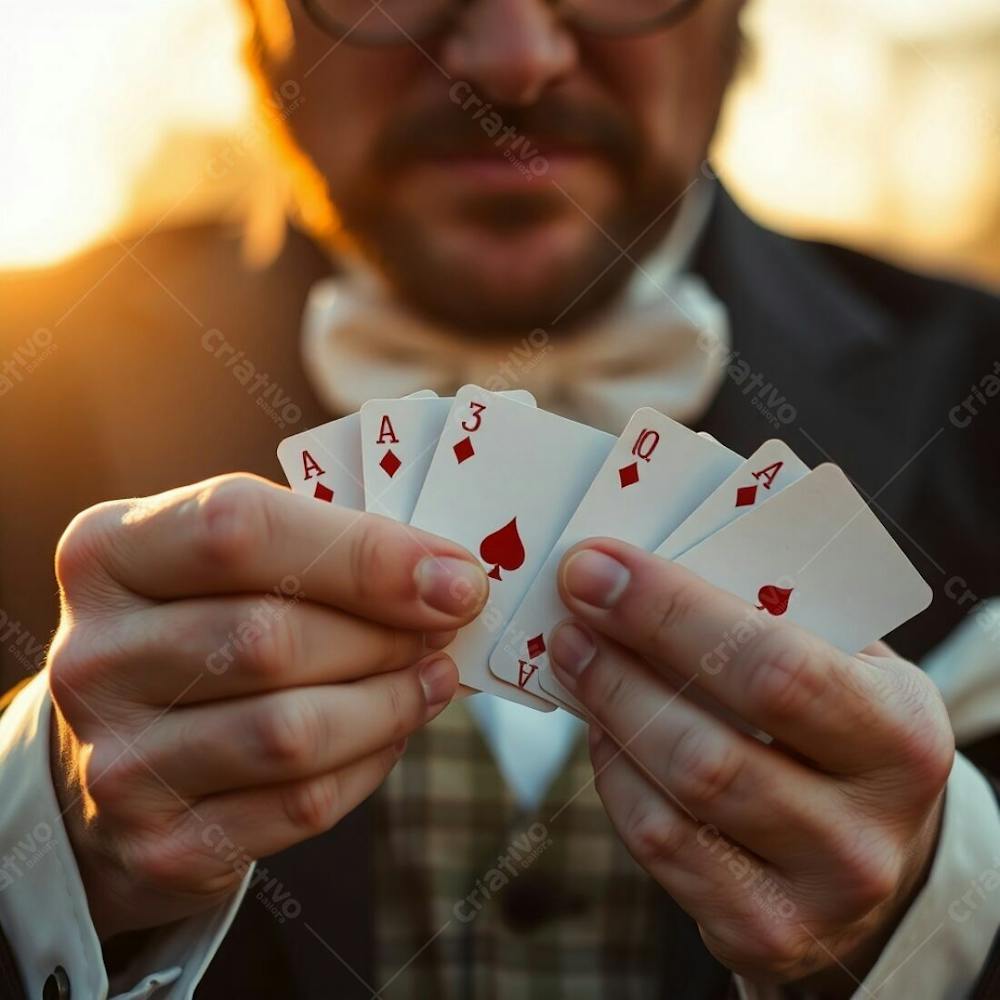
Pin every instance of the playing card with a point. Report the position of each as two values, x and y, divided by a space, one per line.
503 482
398 437
325 461
657 473
771 468
815 555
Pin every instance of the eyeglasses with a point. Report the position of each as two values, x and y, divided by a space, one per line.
386 22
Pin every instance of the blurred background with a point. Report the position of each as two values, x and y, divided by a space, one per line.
123 114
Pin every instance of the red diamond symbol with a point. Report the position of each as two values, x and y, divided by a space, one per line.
536 646
323 493
464 450
629 474
390 463
746 495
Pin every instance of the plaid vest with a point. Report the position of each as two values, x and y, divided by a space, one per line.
478 899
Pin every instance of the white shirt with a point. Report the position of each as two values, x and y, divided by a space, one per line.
937 950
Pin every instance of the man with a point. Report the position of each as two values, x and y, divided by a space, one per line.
222 693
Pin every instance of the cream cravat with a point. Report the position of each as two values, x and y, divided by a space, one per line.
663 343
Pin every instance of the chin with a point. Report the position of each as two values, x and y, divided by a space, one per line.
499 295
492 267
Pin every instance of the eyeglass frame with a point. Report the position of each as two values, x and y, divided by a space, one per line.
678 10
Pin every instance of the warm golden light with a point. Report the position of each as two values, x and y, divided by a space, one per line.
97 92
875 122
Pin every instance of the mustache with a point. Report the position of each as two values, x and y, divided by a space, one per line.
448 129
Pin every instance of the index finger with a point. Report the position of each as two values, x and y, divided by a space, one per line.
241 534
780 678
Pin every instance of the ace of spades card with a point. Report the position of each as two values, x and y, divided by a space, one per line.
503 482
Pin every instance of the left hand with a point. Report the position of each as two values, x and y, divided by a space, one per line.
798 858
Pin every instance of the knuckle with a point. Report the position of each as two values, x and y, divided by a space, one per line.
232 519
607 690
270 647
401 707
876 883
870 867
109 776
287 732
70 663
80 658
163 862
666 611
922 733
786 674
312 806
654 838
705 768
83 544
398 648
772 945
374 559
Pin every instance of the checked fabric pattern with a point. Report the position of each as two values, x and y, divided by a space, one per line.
479 899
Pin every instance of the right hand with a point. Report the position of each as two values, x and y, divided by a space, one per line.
236 668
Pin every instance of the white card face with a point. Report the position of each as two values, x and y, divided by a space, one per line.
656 474
771 468
818 556
503 482
398 437
325 461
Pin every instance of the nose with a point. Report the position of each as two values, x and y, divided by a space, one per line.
509 51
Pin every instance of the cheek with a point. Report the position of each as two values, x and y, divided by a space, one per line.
348 93
671 84
336 127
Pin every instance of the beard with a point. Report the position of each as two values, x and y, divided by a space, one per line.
453 290
456 293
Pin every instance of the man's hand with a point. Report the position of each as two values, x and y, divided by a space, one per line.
798 858
236 668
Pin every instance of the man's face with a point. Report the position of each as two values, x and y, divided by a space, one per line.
509 217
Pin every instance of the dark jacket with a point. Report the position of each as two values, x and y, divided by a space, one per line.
845 357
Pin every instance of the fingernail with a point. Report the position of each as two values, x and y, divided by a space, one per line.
399 747
595 578
437 678
594 737
454 586
571 649
438 640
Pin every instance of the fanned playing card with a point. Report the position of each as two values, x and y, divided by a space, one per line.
657 473
325 461
815 555
503 482
398 438
771 468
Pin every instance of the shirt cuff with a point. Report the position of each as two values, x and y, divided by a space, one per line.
39 876
944 940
